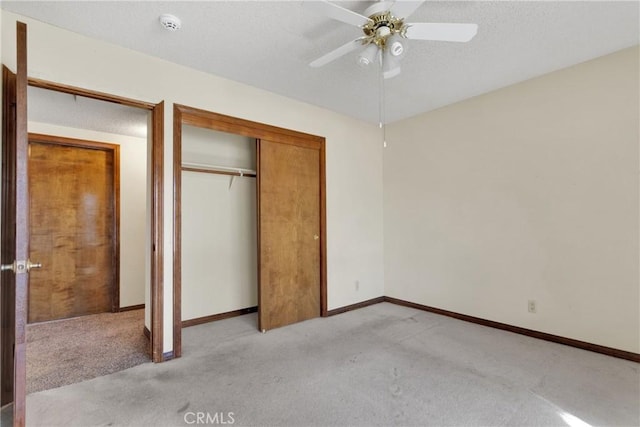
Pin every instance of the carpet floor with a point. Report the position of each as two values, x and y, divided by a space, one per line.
69 351
381 365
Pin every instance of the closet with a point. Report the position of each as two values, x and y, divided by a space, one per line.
219 223
250 223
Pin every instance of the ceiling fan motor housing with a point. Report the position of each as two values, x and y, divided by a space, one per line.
382 26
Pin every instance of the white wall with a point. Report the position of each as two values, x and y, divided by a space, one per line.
133 163
219 225
529 192
354 153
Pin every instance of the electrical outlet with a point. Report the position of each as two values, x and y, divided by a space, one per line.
532 306
357 285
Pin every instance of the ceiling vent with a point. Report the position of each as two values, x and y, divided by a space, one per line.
170 22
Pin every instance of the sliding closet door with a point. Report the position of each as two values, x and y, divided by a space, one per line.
288 233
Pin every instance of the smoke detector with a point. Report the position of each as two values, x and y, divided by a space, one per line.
170 22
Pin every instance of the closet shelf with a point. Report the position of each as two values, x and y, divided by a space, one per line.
224 170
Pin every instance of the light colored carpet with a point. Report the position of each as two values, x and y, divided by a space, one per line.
381 365
69 351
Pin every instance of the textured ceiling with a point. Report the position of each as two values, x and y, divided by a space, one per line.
47 106
269 44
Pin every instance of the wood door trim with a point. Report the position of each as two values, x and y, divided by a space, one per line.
177 229
157 219
220 122
185 115
73 90
259 230
323 232
114 149
157 233
72 142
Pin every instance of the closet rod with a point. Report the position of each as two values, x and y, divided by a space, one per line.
219 172
222 170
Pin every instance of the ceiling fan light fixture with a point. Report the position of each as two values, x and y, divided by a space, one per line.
368 55
396 49
396 46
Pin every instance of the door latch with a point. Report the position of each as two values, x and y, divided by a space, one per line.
20 267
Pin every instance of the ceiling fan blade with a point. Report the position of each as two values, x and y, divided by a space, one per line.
441 32
337 53
336 12
404 8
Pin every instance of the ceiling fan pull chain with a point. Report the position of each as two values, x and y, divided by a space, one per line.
382 124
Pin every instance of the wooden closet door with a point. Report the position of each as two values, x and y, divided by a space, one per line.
288 233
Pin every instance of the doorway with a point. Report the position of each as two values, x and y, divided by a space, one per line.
153 129
291 220
84 150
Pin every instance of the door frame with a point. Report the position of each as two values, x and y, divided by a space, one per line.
184 115
114 150
157 199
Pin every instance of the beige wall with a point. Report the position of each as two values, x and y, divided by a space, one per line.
529 192
354 155
133 164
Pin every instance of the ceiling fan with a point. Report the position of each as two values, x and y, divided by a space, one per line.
384 30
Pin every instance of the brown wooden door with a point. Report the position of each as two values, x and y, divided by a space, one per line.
15 236
288 233
73 225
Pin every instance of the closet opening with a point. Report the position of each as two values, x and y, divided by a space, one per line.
219 220
249 222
